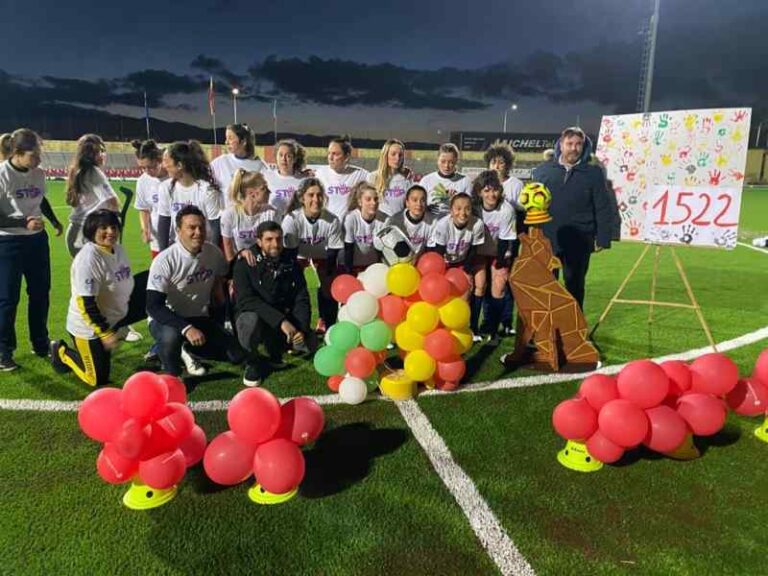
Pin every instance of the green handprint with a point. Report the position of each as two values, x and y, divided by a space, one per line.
721 132
703 159
663 121
658 137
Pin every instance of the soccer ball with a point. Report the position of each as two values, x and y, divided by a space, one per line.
536 198
394 246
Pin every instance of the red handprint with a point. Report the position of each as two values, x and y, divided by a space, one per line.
736 175
714 177
631 176
739 115
684 152
634 227
607 138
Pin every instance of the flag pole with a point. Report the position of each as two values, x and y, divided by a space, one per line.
212 109
146 113
274 117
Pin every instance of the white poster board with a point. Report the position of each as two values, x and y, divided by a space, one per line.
694 156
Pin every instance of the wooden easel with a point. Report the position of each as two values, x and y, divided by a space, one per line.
694 305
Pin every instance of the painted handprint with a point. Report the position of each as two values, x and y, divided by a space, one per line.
721 131
714 177
671 177
631 176
702 160
688 232
690 168
691 181
739 115
726 240
721 160
718 117
663 121
690 122
646 120
658 136
634 228
632 200
737 135
666 159
706 125
623 207
684 152
736 175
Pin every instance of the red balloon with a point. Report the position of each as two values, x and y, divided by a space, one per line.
430 263
440 344
623 423
278 466
360 362
301 421
227 460
459 280
101 416
704 414
343 286
761 367
412 299
113 467
714 374
392 309
598 390
666 430
177 392
445 386
452 370
749 397
144 396
602 449
158 443
644 383
679 376
177 421
334 382
574 419
193 446
434 288
132 438
163 471
254 415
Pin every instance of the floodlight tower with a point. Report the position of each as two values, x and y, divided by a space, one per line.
647 65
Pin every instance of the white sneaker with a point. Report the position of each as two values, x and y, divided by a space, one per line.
131 335
194 368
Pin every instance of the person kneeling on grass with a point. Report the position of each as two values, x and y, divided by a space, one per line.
272 303
184 280
105 298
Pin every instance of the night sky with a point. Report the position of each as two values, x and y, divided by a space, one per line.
413 69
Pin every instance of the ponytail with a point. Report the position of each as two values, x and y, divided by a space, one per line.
5 147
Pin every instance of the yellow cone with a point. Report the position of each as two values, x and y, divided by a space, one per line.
258 495
686 451
398 386
143 497
575 456
762 431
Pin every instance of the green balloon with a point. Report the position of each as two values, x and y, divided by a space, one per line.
344 336
376 335
329 361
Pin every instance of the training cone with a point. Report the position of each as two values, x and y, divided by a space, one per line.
143 497
686 451
762 431
258 495
397 386
575 456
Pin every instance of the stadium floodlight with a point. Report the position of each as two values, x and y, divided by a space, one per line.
512 107
235 93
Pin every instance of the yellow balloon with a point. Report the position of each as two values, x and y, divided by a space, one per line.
403 279
419 366
407 339
455 314
463 340
423 317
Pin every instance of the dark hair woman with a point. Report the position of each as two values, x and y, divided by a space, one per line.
241 154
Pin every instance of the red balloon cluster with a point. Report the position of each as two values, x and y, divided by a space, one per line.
264 439
750 395
656 405
147 430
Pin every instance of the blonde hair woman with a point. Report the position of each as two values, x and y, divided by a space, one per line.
391 179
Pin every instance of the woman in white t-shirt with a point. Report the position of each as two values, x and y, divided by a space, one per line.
339 177
415 221
391 179
88 188
150 159
241 155
443 184
361 225
314 235
290 158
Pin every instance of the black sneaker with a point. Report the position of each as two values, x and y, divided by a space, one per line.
8 365
252 376
56 361
42 352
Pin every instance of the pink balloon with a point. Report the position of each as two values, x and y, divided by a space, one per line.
144 396
666 431
113 467
227 460
177 421
623 423
392 309
761 367
459 280
434 288
132 438
278 466
360 362
158 443
177 392
163 471
714 374
452 369
602 449
704 414
598 390
343 286
443 385
254 415
574 419
301 421
193 446
430 263
643 382
679 375
440 344
101 416
748 398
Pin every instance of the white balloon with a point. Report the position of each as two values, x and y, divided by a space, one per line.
344 315
327 337
362 307
374 279
353 390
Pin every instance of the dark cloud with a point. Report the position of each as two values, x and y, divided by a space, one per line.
218 70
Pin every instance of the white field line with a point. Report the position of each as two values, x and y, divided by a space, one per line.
483 521
755 248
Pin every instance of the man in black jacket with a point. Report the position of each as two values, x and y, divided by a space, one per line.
272 302
581 212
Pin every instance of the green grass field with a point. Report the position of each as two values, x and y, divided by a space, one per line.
371 502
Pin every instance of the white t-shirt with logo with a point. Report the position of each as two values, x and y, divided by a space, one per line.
313 239
499 225
148 189
187 279
362 234
418 233
225 166
393 200
457 241
104 275
512 187
282 189
96 193
21 194
241 227
440 190
338 185
199 194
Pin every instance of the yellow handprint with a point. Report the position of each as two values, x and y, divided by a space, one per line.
721 161
666 159
737 135
717 117
690 122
